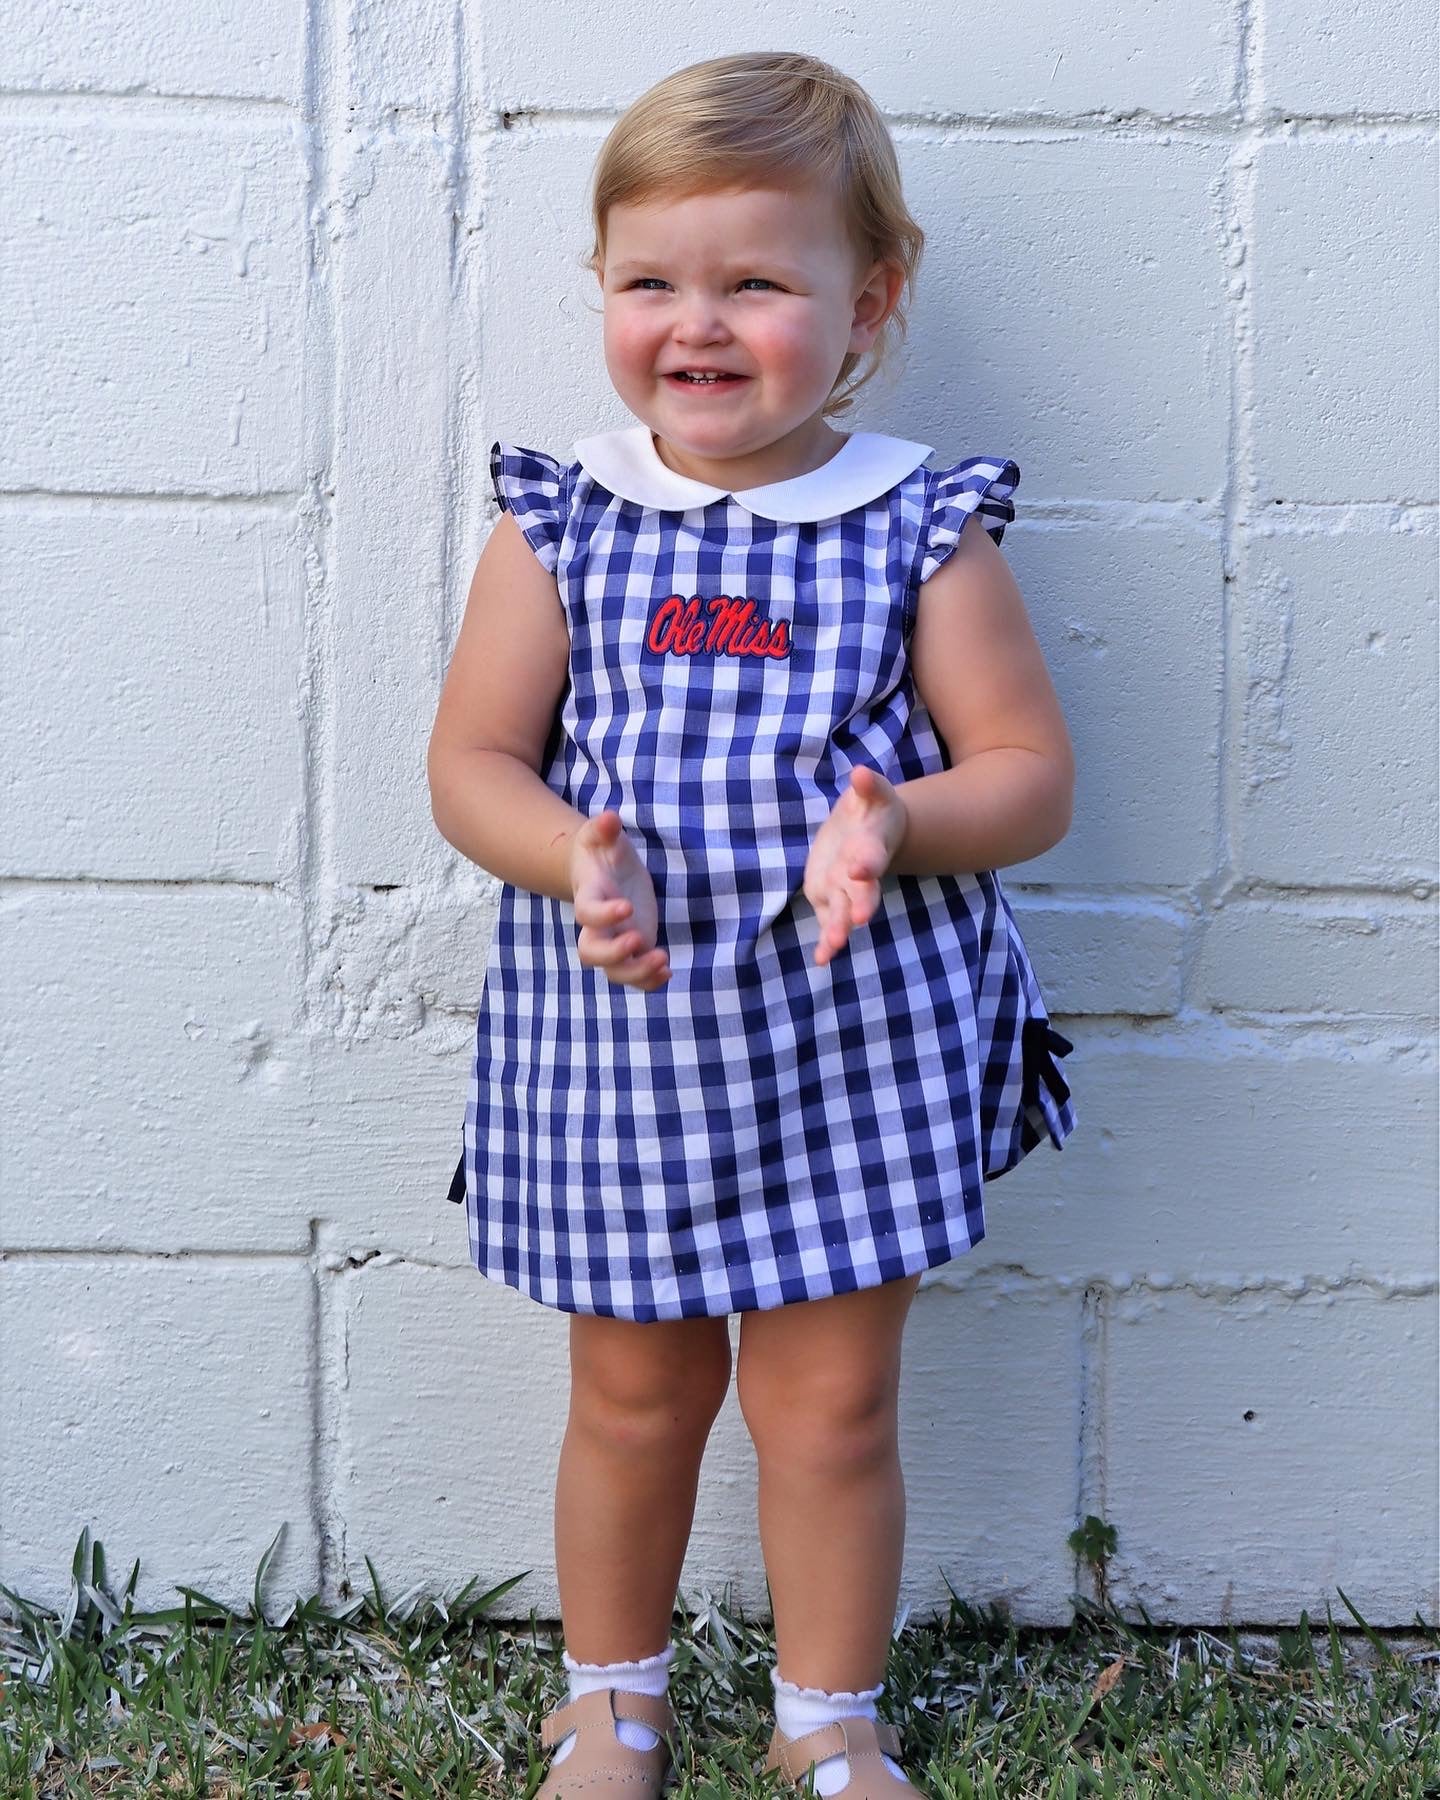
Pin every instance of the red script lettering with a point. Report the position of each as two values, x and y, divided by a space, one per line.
678 628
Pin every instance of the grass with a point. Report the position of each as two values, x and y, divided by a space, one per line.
412 1698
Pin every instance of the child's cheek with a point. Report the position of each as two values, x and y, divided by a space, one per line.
799 353
625 357
632 342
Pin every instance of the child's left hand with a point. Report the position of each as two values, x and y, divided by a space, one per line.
849 856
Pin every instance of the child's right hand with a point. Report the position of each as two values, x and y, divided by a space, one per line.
615 905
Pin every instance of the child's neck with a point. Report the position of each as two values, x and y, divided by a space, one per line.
799 452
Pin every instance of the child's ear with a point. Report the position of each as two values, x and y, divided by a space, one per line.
878 297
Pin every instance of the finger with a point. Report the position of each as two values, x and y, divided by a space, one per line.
602 831
597 949
610 952
602 943
600 912
648 971
627 959
864 897
835 924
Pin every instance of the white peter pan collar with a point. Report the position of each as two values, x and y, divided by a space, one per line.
865 466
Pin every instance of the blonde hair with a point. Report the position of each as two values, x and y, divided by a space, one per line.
756 120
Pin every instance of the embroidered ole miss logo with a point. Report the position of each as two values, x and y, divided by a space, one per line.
679 627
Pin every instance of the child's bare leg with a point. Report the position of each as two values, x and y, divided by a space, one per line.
642 1400
818 1384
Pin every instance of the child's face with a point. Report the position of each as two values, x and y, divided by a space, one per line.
762 283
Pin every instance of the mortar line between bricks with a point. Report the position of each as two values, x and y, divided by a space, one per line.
319 112
265 504
455 439
321 1474
471 515
141 884
996 1278
1066 511
329 1310
76 108
120 1253
1237 236
1090 1473
1403 899
1135 124
1011 1278
339 1435
324 128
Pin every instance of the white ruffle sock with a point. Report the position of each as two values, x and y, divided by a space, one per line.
651 1675
802 1709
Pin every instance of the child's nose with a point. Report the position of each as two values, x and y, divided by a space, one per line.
701 321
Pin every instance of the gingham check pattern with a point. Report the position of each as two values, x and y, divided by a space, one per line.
759 1130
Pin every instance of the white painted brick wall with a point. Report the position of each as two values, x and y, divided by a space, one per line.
269 292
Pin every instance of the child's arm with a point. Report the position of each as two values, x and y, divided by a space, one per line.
493 720
982 677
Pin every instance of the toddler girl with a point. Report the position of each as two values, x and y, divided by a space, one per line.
745 713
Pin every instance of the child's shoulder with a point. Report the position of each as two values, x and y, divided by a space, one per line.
980 487
512 463
533 487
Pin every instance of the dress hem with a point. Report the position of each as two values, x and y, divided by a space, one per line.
934 1259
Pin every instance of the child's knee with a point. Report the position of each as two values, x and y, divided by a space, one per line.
647 1383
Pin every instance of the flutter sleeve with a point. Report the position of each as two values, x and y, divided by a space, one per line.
531 487
979 486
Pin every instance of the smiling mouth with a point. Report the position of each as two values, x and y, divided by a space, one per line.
718 380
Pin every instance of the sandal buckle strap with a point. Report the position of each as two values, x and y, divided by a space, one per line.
576 1715
870 1736
558 1724
795 1757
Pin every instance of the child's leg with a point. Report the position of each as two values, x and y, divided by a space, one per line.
642 1400
818 1385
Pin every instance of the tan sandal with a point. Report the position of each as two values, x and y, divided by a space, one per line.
599 1763
862 1741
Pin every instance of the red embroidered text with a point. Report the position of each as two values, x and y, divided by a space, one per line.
678 628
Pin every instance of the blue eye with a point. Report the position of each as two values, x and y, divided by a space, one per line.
642 281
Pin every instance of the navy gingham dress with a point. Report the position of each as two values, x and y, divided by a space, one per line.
760 1129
